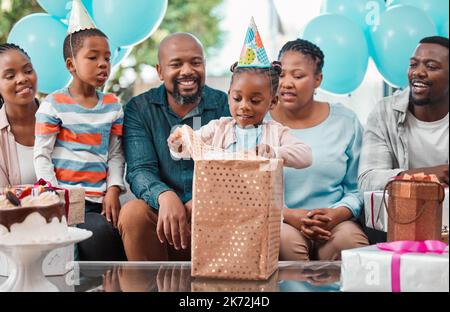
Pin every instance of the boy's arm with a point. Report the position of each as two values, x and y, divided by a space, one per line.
46 130
116 158
116 163
295 153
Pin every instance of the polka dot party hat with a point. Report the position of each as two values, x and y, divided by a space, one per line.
253 53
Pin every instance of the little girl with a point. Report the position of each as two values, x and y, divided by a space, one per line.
253 92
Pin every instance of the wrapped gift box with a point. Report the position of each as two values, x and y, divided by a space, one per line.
369 269
57 262
376 216
76 205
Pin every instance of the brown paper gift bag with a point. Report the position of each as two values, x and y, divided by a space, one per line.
236 217
414 209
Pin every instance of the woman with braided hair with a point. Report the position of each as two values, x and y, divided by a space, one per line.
322 200
18 105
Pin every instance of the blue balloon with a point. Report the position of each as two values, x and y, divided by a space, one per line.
365 13
345 49
444 30
57 8
394 41
436 9
42 36
128 22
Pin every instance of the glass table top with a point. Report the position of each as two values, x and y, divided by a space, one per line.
314 276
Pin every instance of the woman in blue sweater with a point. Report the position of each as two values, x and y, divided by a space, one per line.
322 200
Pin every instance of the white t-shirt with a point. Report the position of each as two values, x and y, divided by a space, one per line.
26 166
427 142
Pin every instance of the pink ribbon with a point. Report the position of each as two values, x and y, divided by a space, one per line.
401 247
42 182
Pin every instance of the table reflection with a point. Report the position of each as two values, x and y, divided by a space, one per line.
176 277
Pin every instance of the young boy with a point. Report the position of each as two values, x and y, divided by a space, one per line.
78 128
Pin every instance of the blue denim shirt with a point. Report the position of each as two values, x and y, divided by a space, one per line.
147 125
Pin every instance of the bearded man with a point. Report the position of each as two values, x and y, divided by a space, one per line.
155 227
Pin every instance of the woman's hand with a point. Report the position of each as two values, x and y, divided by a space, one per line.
328 218
315 225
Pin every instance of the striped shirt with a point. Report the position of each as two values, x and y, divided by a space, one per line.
77 146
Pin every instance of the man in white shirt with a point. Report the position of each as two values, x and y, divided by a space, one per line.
408 132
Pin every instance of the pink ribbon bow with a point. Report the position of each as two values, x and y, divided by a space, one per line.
401 247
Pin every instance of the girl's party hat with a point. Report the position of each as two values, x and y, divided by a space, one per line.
253 53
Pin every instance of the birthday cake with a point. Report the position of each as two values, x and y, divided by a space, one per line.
33 219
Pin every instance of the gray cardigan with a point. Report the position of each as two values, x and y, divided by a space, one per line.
385 148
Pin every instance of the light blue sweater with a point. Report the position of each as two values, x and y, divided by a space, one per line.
331 181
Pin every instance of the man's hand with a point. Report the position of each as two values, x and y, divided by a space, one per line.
111 205
174 279
172 221
441 172
188 207
111 280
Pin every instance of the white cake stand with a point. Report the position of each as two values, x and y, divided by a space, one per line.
26 262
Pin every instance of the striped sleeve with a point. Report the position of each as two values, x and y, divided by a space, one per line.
47 120
46 130
117 126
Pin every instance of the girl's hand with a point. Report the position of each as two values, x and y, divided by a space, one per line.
266 151
175 141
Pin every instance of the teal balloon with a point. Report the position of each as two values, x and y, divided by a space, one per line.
42 36
365 13
394 41
127 22
345 49
444 30
436 9
57 8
